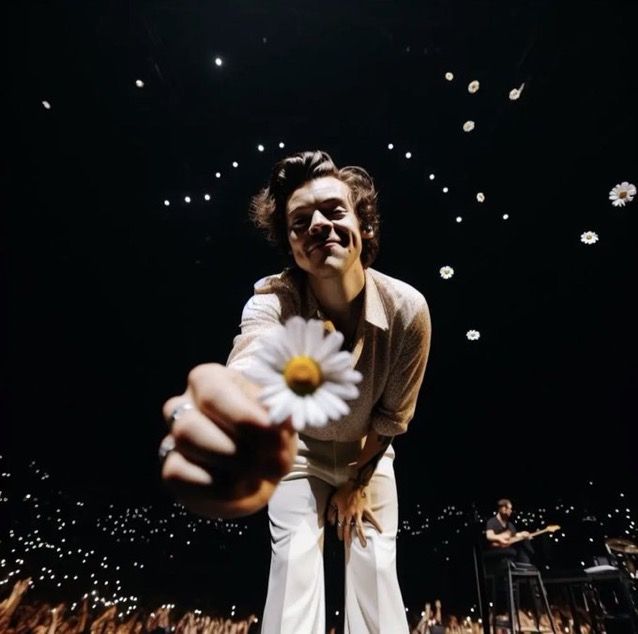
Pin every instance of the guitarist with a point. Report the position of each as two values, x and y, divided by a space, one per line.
504 541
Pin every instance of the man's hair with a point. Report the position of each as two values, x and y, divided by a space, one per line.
503 502
268 207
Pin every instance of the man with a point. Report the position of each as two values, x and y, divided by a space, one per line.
505 544
500 533
223 460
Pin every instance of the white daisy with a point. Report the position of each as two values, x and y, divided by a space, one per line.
589 237
622 193
473 335
468 126
304 374
480 197
515 93
449 76
446 272
473 86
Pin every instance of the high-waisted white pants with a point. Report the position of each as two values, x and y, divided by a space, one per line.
296 597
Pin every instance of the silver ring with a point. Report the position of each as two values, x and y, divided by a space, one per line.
166 446
175 414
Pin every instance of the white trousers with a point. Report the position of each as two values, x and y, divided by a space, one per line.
296 595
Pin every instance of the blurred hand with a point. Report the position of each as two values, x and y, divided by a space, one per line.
228 458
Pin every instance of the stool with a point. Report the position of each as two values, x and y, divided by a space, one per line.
513 575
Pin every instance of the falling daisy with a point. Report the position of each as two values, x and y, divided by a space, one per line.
446 272
473 335
473 86
589 237
622 193
480 197
468 126
304 374
515 93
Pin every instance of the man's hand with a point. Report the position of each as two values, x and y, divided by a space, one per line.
348 507
228 458
523 534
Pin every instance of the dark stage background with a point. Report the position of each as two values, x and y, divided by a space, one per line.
111 295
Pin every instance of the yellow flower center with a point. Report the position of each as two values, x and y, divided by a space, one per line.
303 375
622 194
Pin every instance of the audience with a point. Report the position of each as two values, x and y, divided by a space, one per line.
18 616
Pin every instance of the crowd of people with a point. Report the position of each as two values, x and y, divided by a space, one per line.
21 615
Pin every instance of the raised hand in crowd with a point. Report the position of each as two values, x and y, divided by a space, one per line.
9 605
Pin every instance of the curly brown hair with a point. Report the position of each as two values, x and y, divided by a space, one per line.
268 207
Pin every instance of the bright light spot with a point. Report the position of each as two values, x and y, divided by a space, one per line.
449 76
167 203
390 146
47 105
218 61
139 83
445 190
218 175
459 219
187 199
281 145
235 164
408 155
480 197
506 216
206 196
260 147
432 177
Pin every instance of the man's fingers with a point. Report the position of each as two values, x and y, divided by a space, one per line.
332 514
178 470
225 396
347 530
193 428
340 527
369 516
361 534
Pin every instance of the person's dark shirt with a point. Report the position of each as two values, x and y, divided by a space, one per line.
495 524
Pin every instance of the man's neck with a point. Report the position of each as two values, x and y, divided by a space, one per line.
340 297
502 519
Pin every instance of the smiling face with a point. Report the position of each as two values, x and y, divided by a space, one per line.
323 228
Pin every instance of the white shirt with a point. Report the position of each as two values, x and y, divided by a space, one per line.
391 347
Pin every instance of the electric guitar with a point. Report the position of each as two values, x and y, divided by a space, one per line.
508 539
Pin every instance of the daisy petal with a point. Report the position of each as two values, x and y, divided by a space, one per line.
281 406
295 333
337 363
330 344
316 416
313 337
332 401
298 418
345 391
347 376
262 374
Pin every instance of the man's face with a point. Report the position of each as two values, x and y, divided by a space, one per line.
506 511
323 228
